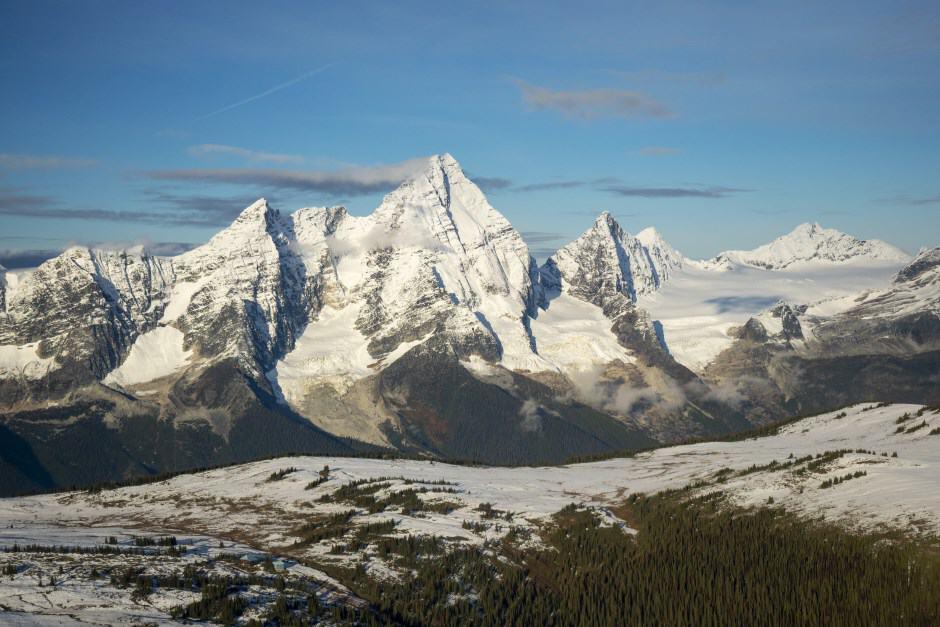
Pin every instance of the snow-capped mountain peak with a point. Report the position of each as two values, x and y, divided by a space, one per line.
607 219
666 257
438 197
259 214
605 259
649 235
443 212
809 243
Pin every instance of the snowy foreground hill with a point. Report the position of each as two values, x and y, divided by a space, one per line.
865 468
426 327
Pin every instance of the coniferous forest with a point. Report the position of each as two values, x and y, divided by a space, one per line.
691 563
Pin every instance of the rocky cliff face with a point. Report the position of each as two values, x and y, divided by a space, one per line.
606 261
77 315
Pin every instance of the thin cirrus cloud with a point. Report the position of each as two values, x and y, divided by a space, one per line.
351 181
673 192
28 162
491 184
928 200
540 237
206 151
268 92
199 209
918 201
658 151
593 104
181 210
615 187
543 244
549 185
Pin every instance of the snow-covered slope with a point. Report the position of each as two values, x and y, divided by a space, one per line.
894 491
155 354
698 307
809 243
901 318
239 511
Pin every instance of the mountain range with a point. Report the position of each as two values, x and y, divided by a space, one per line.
427 328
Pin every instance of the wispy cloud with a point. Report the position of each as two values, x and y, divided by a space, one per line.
106 215
658 151
180 210
549 185
268 92
254 156
673 192
913 201
615 186
491 184
352 181
199 209
24 162
543 244
15 201
487 184
541 237
592 104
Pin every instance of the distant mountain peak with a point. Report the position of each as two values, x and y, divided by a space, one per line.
605 259
257 210
809 243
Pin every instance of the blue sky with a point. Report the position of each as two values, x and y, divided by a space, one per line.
724 124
